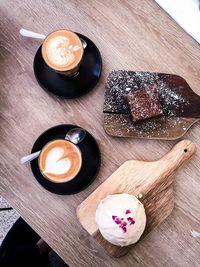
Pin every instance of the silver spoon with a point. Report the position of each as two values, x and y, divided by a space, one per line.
75 135
36 35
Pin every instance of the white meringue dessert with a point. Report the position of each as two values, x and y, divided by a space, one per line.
121 219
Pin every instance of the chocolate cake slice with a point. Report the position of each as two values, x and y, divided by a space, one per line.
144 104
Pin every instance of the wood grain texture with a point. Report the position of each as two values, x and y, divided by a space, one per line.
135 35
152 180
164 128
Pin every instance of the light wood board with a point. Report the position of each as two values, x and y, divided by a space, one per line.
152 180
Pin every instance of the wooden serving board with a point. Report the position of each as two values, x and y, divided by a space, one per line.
181 106
152 181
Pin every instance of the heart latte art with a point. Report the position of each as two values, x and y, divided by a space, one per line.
60 161
56 163
62 50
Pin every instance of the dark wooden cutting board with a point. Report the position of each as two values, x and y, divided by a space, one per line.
181 106
152 180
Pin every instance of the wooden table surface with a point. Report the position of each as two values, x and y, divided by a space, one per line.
131 35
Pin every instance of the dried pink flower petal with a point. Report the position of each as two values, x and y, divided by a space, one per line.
123 223
130 220
116 219
127 212
123 227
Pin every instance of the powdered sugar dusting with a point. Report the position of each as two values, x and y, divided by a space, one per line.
121 125
120 83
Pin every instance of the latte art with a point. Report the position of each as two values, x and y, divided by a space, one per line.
62 50
60 161
56 162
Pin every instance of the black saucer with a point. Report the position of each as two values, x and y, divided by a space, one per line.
89 73
90 161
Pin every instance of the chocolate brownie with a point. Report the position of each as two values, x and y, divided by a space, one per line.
144 104
119 83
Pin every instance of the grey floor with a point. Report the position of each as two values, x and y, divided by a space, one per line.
8 218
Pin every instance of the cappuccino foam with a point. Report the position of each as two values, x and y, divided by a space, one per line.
62 50
60 161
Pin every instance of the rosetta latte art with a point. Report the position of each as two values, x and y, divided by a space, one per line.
61 52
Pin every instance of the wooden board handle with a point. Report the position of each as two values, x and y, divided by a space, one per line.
180 153
159 175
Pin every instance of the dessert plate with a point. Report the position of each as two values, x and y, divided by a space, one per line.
152 182
181 106
66 87
90 161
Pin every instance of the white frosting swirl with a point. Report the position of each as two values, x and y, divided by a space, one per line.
60 52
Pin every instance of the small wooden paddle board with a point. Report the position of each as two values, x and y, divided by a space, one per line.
151 181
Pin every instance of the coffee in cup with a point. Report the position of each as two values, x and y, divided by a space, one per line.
60 161
62 51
